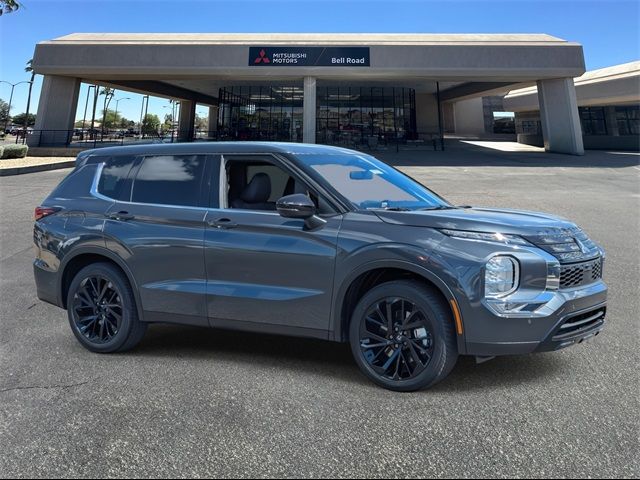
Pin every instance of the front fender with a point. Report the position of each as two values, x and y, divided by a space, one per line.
393 256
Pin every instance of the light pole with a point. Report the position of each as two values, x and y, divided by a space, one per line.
13 85
86 104
143 113
116 115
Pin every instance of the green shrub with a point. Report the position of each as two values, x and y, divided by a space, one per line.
1 150
14 151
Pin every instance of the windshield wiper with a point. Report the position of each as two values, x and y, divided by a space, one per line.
391 209
439 207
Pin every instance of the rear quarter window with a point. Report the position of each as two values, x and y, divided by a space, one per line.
114 181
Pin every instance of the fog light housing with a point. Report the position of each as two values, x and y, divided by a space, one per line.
553 275
501 277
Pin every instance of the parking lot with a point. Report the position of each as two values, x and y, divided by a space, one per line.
192 402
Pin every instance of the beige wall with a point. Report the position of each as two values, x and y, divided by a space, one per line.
426 113
469 117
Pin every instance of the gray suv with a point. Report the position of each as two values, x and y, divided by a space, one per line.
309 241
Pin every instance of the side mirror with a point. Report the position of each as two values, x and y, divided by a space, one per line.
300 206
297 205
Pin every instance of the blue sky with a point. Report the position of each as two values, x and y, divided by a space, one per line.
608 29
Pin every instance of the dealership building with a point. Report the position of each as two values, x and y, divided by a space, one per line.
608 107
324 88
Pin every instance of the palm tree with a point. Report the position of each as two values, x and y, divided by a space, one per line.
108 95
8 6
29 69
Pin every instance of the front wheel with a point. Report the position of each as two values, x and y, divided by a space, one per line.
402 336
102 310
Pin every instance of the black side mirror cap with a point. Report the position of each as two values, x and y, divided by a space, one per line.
300 206
297 205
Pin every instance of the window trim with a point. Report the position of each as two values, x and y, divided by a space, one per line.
95 193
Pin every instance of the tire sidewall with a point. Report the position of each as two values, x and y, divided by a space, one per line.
128 307
434 322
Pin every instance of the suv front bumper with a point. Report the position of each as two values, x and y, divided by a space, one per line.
580 315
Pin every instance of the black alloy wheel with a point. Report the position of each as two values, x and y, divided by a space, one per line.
102 309
395 338
402 335
97 309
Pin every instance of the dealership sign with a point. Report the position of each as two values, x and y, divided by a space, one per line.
309 56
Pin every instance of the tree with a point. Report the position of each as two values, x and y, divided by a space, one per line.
150 124
168 123
4 112
111 119
201 123
21 119
29 69
108 95
8 6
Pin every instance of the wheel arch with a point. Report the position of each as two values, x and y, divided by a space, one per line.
86 255
372 274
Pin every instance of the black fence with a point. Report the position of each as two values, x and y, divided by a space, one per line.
96 139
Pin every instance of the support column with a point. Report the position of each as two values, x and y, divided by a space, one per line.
309 111
186 121
559 116
56 112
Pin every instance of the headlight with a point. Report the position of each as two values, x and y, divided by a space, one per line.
501 277
505 239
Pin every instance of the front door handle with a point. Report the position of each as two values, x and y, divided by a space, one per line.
121 215
222 223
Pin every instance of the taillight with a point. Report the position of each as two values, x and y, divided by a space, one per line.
42 212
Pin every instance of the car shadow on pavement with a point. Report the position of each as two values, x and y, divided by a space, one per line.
332 359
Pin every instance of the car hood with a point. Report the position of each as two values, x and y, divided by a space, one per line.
518 222
547 232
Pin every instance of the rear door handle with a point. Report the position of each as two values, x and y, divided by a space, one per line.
122 216
222 223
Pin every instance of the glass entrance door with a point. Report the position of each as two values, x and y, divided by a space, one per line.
268 113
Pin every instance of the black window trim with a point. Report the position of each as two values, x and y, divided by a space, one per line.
138 161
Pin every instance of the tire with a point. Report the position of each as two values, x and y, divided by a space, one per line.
424 349
99 326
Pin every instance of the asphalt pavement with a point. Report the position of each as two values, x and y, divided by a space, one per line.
193 402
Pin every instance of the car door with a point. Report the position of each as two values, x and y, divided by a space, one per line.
264 270
157 226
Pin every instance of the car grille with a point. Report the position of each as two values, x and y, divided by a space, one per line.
579 274
579 324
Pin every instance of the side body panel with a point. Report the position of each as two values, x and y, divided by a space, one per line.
268 270
163 247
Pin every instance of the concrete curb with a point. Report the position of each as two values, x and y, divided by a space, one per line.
5 172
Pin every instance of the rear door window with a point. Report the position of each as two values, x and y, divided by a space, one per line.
170 180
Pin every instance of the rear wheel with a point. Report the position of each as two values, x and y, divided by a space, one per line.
102 310
402 336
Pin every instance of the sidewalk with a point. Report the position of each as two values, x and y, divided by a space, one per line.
17 166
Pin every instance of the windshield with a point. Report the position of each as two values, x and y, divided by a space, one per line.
369 183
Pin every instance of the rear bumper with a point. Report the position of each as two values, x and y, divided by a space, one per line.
580 316
46 283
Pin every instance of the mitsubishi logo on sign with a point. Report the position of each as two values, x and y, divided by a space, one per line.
309 56
262 57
